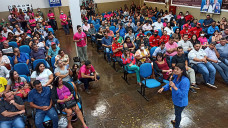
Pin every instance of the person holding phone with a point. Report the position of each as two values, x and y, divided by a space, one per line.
180 88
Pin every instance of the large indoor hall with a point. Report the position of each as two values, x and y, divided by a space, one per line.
113 64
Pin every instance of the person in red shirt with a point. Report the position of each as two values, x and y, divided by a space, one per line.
164 37
2 39
196 30
154 40
188 17
117 50
185 31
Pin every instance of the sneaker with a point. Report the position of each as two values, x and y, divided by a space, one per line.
87 91
211 85
193 90
195 86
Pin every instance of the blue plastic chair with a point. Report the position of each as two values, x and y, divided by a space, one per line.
103 14
39 61
201 21
13 44
160 32
53 62
174 28
98 21
113 28
136 34
26 77
152 51
145 72
97 26
22 69
25 49
145 33
11 61
51 30
109 13
126 72
210 40
182 27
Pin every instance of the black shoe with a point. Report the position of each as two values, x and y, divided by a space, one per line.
195 86
88 92
173 122
193 90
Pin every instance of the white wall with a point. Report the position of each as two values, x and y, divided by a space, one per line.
105 1
35 3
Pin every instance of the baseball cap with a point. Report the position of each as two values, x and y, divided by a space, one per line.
198 23
186 25
156 31
52 43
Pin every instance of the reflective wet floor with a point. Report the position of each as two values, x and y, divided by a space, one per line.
115 104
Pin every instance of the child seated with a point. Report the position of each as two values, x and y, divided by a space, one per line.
23 90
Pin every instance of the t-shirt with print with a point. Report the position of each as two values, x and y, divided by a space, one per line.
3 83
63 18
81 36
17 84
86 71
42 77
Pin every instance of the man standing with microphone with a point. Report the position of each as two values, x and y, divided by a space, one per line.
180 87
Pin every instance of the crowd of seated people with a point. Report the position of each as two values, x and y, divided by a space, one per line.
161 38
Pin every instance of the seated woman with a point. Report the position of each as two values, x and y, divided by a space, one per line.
216 37
75 71
128 44
64 73
161 65
169 29
45 76
142 54
15 82
99 37
194 39
64 57
4 61
128 60
176 35
203 40
119 38
61 93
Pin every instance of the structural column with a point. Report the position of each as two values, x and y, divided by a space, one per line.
75 12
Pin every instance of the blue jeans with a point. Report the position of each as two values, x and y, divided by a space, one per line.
39 118
178 111
207 70
222 69
93 38
66 29
107 51
226 62
16 123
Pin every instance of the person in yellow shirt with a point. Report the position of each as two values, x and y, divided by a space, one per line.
3 83
142 54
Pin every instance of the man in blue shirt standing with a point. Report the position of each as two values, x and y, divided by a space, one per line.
107 44
20 57
121 30
40 99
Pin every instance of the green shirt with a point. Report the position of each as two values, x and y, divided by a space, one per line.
120 39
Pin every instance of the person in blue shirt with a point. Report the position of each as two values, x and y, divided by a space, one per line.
20 57
40 99
53 50
180 88
121 30
222 49
50 40
212 28
107 44
207 22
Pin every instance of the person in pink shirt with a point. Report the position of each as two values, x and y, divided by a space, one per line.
2 39
110 32
51 17
87 74
171 47
81 40
64 23
203 40
32 22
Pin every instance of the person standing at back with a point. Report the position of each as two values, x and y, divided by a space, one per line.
81 40
64 23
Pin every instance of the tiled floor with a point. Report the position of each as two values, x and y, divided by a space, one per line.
115 104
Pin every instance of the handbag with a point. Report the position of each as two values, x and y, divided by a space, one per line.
70 103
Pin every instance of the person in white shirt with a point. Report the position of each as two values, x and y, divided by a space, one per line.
169 29
168 17
5 32
86 27
18 31
83 11
147 27
158 25
185 44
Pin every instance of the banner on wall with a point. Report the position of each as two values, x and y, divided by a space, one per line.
24 7
55 3
211 6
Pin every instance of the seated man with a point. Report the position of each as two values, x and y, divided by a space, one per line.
185 44
87 74
196 30
53 50
222 50
142 54
141 39
4 72
6 49
11 108
86 27
131 35
18 32
40 99
171 47
50 40
92 32
158 25
121 30
160 49
212 56
107 44
109 32
181 58
185 31
198 61
38 53
154 39
20 57
117 50
211 30
147 26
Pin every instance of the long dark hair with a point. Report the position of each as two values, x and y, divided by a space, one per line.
181 66
126 39
11 74
178 33
161 55
37 68
56 82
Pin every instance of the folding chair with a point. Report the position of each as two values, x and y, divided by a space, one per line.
126 72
